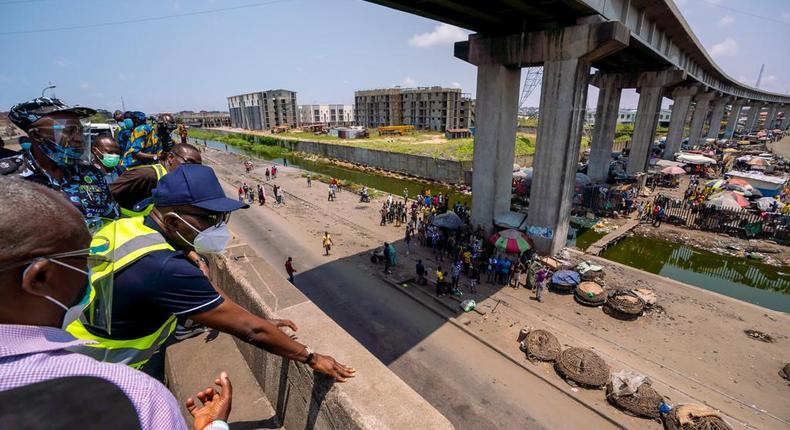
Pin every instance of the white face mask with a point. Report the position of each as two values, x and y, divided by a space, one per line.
72 313
212 240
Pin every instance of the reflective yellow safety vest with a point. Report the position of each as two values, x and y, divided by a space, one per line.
160 171
129 240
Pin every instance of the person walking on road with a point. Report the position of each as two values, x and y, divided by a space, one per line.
540 282
474 277
267 174
327 242
387 258
407 239
439 282
309 180
261 194
289 268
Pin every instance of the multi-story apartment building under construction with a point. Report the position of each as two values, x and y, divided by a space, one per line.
426 108
263 110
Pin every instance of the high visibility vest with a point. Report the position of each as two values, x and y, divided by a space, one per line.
129 240
160 171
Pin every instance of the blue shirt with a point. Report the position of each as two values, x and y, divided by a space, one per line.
160 284
123 139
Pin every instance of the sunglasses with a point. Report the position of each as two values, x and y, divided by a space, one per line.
215 219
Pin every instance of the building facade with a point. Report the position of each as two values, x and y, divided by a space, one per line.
628 116
426 108
332 115
263 110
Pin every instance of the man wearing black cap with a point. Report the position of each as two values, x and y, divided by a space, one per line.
155 283
59 157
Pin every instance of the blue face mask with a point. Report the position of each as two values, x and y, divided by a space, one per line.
25 145
60 155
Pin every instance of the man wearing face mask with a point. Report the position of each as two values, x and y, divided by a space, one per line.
59 157
45 283
133 188
106 156
155 283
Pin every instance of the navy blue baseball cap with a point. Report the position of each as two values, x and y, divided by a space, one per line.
194 185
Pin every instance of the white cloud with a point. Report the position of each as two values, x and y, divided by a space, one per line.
726 48
60 62
443 34
786 16
408 81
121 76
725 21
456 85
84 85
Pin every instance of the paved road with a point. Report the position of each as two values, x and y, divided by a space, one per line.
473 386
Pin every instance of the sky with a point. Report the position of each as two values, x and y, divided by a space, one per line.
322 49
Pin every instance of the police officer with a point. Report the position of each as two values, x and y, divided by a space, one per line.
154 283
134 187
58 156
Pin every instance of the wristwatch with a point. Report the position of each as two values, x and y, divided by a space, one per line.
310 356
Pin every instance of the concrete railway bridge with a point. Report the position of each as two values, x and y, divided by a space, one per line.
641 44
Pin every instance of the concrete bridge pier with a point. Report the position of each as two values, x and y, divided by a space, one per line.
496 119
751 120
769 119
610 87
701 105
716 115
566 55
681 97
651 87
786 121
732 119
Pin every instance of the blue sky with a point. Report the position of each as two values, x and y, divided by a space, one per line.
323 49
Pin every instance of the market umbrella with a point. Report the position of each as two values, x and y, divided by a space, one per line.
764 203
738 189
738 198
716 183
739 181
723 203
582 179
673 170
757 161
449 220
511 241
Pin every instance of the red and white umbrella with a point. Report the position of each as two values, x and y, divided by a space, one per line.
673 170
511 241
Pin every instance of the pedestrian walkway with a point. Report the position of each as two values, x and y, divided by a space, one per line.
602 243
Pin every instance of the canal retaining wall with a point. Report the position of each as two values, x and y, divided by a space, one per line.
435 169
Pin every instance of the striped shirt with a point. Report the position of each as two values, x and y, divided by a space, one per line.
30 354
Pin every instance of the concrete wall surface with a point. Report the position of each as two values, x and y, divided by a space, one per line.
375 399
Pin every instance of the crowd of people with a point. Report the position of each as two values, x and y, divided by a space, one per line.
104 256
459 250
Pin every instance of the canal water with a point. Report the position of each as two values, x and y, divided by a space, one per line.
372 180
740 278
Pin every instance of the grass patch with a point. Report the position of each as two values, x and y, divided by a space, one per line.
262 146
428 144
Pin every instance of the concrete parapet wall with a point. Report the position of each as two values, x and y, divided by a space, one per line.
375 399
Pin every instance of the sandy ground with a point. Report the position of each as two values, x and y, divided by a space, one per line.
781 147
693 350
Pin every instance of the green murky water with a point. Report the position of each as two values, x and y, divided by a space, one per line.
585 237
740 278
372 180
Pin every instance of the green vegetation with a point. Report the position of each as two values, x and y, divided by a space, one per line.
430 144
625 132
263 146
